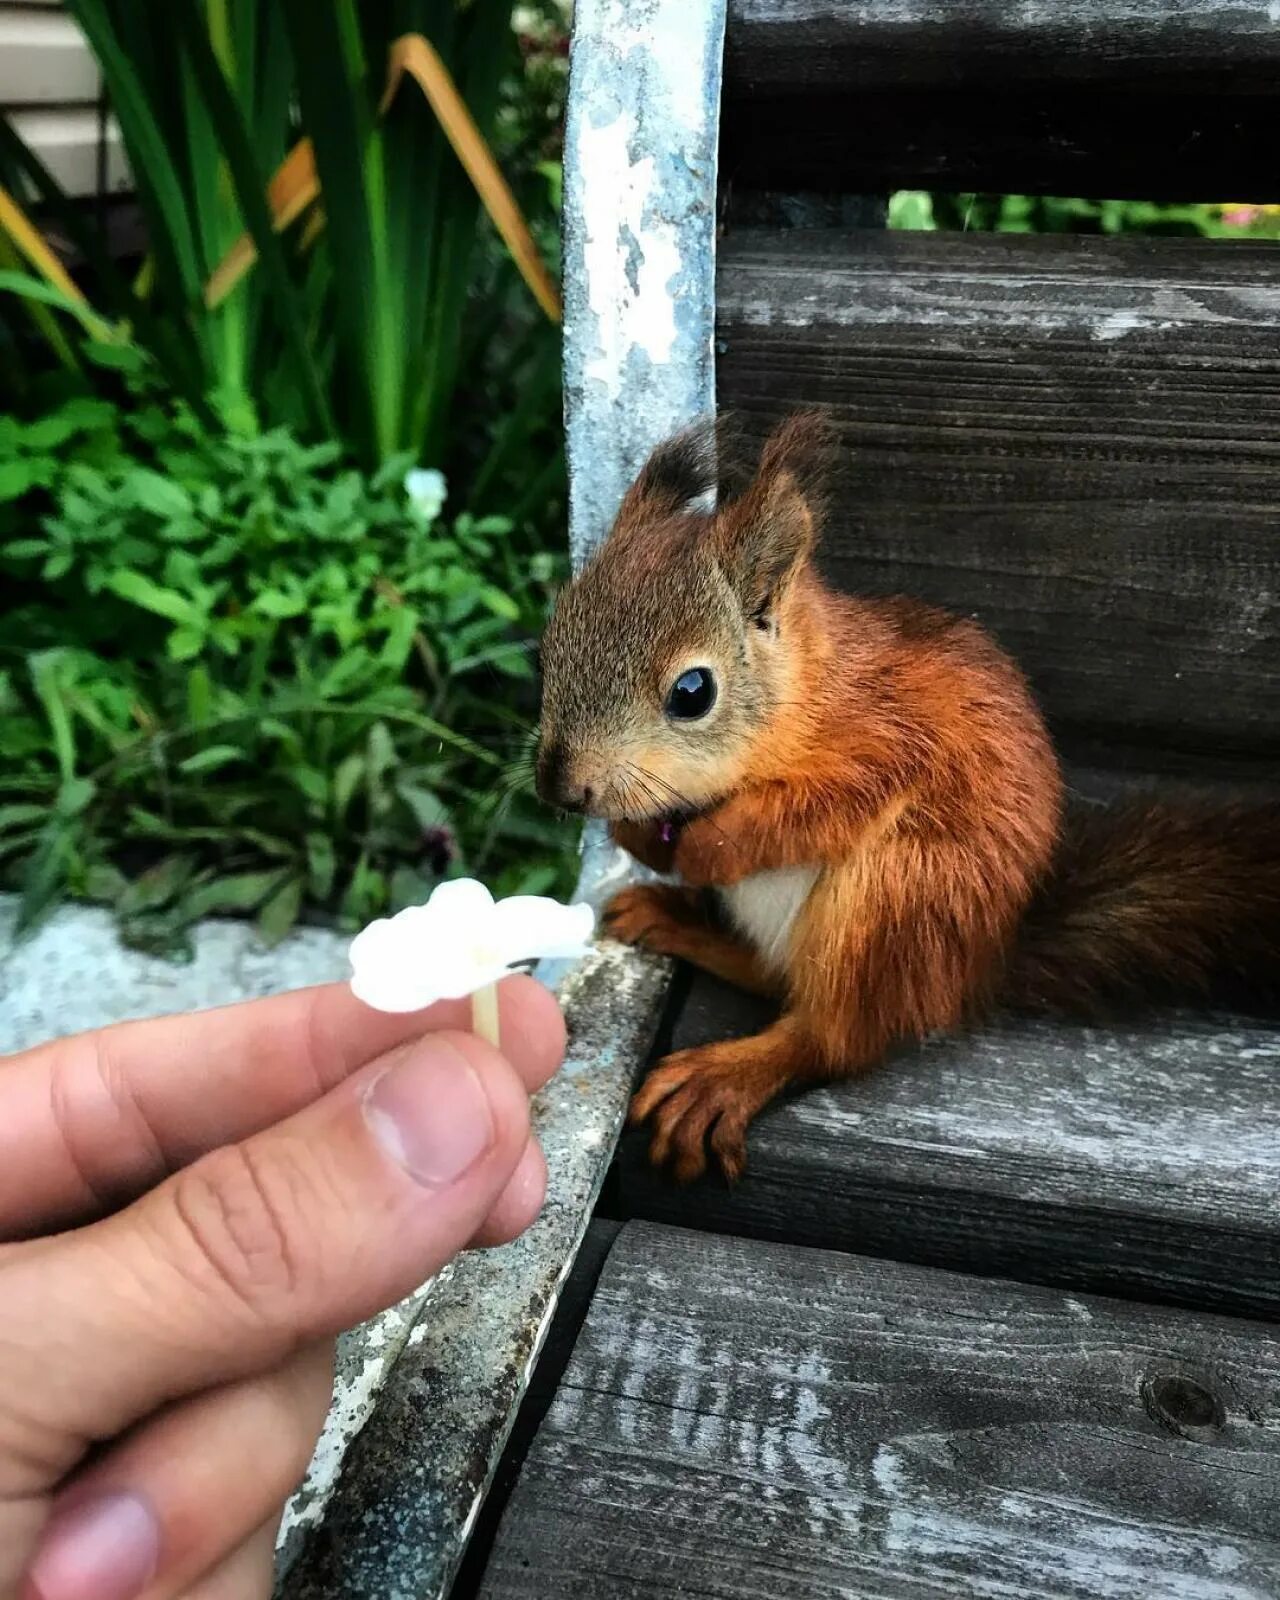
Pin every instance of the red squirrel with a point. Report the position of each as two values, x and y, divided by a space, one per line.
869 789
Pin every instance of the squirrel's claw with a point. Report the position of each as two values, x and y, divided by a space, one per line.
708 1095
691 1099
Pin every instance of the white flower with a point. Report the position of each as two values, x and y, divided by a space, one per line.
460 941
426 490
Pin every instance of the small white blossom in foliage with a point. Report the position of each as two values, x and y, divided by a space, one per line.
460 941
426 489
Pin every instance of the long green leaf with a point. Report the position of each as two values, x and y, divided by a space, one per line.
169 338
335 110
251 186
151 161
32 288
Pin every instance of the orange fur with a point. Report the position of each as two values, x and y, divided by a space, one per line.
933 811
896 754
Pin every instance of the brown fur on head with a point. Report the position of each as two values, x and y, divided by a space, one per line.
675 588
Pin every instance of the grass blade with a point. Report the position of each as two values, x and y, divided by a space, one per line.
27 237
42 293
154 169
170 339
332 94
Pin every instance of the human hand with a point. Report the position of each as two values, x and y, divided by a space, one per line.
190 1209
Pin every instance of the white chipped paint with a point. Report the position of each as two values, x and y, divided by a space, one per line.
632 250
888 1471
1189 1109
630 256
764 908
1014 14
355 1393
1118 323
640 168
868 298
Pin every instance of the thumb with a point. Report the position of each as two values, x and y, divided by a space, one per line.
262 1246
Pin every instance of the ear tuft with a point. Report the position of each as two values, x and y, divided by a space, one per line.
804 447
687 470
768 533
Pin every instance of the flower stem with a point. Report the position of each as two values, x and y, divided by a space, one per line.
484 1014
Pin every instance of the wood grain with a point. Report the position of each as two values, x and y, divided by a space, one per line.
743 1421
1132 98
1141 1160
801 45
1076 440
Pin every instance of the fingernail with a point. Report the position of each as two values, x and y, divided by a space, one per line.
430 1113
103 1549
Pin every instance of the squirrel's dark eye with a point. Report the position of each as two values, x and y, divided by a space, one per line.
692 695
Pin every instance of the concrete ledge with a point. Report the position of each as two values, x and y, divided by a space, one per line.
73 973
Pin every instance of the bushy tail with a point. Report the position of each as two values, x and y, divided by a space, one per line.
1151 903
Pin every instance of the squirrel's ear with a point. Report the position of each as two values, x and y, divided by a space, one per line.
768 532
685 472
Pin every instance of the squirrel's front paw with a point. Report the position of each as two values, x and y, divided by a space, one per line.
693 1099
656 915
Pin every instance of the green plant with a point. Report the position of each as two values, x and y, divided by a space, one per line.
359 323
238 674
1018 213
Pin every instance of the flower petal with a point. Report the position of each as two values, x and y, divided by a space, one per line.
390 969
463 905
426 490
386 989
459 942
530 926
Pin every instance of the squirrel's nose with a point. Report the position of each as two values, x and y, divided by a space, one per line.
557 785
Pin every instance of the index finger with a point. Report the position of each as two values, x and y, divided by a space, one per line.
88 1122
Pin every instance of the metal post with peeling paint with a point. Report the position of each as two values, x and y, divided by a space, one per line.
641 142
641 147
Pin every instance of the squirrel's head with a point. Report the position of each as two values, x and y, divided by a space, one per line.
667 657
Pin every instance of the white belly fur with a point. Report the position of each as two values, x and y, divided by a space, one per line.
764 908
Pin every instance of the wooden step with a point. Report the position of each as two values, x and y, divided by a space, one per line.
1076 440
1116 98
749 1420
1142 1161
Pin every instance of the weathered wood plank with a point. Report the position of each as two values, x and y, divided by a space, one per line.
745 1420
1137 45
1076 440
1141 1160
1118 97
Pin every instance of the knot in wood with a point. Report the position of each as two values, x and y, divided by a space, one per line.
1183 1403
